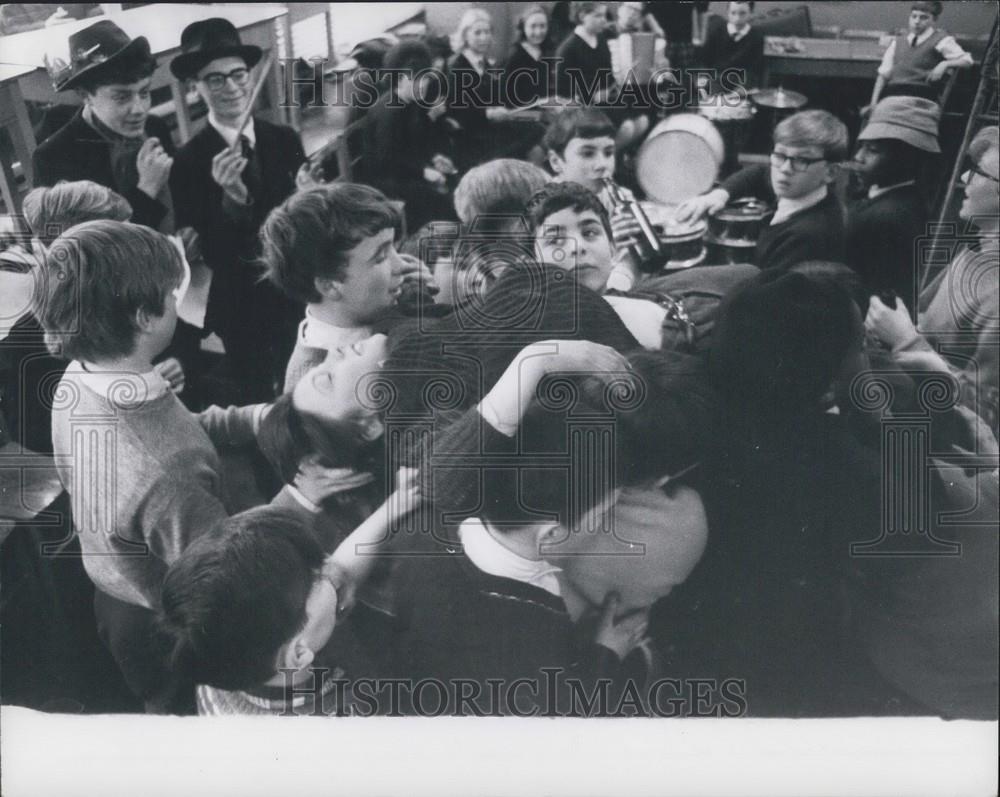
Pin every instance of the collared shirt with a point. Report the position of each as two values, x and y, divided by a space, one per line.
786 207
948 48
318 334
877 190
494 558
229 134
737 33
121 388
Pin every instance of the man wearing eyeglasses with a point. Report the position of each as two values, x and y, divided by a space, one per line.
808 222
224 182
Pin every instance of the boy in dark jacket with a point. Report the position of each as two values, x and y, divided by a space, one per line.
224 183
112 140
808 223
884 226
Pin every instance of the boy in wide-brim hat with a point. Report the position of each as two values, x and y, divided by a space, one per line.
895 152
113 140
224 184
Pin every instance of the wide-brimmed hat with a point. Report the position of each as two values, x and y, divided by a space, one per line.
204 41
93 51
912 120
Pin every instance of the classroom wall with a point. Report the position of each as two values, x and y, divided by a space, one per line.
971 18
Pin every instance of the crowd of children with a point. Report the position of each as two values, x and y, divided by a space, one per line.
493 467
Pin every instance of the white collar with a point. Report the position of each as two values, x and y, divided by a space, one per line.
787 207
118 388
878 190
229 134
587 37
491 557
318 334
922 37
737 33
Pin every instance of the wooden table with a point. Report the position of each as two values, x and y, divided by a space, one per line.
833 58
14 119
161 24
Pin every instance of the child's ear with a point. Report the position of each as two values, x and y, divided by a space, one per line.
832 170
556 162
144 320
328 288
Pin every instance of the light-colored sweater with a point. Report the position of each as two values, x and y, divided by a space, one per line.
142 473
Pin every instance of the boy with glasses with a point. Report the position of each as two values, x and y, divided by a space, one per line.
224 183
808 223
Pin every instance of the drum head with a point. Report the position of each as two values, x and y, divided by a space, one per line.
679 159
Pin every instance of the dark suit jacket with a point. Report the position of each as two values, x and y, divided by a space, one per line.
78 152
229 242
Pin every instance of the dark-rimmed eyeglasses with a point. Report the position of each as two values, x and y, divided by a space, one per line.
973 168
799 164
216 81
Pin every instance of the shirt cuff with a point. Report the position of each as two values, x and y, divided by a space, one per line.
303 501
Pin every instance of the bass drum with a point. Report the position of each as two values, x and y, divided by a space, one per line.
679 159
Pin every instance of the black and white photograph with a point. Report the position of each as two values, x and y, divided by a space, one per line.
504 398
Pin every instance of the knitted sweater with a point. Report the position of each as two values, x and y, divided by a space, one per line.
143 475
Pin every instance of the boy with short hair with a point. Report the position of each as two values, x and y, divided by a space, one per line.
251 610
736 44
333 249
808 223
581 148
142 472
112 140
916 61
224 183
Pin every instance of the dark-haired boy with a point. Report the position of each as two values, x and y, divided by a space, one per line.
915 62
580 145
256 614
112 140
142 472
224 183
333 249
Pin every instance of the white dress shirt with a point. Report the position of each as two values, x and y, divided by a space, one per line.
492 557
948 48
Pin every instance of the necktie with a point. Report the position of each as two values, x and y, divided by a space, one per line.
913 40
251 174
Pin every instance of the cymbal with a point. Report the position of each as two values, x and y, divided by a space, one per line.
779 98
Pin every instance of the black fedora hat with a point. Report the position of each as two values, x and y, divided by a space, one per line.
204 41
97 49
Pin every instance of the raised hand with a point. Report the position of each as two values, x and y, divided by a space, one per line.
153 164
